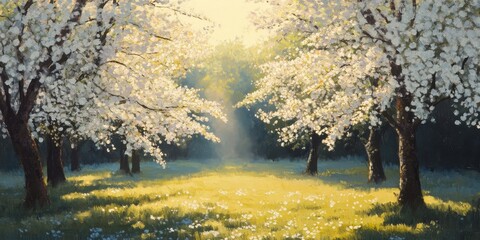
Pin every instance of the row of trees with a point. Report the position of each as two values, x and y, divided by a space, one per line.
92 70
358 64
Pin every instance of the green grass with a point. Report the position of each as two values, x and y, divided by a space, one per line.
241 200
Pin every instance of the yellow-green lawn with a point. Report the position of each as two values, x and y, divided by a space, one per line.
241 200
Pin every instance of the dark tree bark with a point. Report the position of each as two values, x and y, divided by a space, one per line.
410 189
55 171
75 157
135 161
312 168
376 173
405 123
124 166
27 150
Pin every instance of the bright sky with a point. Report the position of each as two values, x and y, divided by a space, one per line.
232 18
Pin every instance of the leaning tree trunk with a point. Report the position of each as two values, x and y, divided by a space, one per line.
135 161
372 147
75 157
27 150
410 189
55 172
312 168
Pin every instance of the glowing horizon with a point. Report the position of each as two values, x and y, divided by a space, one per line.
231 19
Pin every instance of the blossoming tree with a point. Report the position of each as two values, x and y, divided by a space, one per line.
91 69
301 88
395 61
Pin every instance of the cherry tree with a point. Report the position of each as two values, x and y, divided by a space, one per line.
143 68
301 88
430 52
91 69
395 61
302 98
287 104
282 89
33 37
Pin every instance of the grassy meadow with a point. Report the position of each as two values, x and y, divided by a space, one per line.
241 200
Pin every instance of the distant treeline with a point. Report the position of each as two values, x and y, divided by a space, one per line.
443 146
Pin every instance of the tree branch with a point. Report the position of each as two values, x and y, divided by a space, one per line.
176 10
21 83
5 106
125 66
390 119
151 34
305 20
126 99
48 66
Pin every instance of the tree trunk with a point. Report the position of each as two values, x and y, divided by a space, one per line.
410 196
410 189
55 171
75 157
312 168
372 147
124 166
27 150
135 161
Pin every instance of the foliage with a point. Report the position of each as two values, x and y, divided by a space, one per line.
101 68
358 57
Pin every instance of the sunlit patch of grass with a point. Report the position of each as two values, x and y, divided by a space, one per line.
243 200
85 180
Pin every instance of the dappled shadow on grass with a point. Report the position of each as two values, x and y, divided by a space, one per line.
437 222
444 185
84 199
82 184
165 223
451 185
223 201
121 206
11 201
136 222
